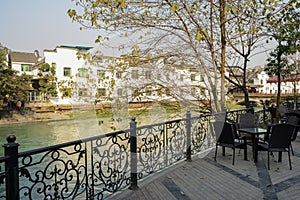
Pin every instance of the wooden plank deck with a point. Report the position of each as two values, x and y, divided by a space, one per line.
203 178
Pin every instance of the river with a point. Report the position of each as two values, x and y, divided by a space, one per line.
41 134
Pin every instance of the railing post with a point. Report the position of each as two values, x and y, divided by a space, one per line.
11 168
133 156
188 137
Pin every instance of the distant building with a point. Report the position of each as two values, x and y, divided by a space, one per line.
23 61
83 76
70 65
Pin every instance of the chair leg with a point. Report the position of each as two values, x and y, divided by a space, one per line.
292 150
245 153
268 160
223 151
216 152
290 159
233 156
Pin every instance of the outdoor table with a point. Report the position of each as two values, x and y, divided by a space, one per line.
254 132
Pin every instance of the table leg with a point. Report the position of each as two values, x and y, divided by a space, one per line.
279 156
245 150
255 141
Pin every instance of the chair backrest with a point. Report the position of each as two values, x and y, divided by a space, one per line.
227 135
281 135
293 120
282 110
247 120
217 128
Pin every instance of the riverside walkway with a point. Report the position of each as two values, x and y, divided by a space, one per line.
204 178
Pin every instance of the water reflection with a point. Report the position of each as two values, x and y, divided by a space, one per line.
39 134
42 134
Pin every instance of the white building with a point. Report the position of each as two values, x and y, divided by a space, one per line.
23 61
101 78
70 68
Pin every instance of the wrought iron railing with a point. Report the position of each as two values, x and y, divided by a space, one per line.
99 166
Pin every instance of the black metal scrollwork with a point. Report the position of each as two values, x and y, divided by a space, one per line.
150 148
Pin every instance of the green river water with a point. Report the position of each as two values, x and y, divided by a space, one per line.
41 134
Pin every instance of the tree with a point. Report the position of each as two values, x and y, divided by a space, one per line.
14 87
192 32
244 36
284 29
3 53
166 28
47 81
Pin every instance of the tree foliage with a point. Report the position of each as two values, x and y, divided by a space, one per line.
13 86
47 81
284 28
174 29
191 32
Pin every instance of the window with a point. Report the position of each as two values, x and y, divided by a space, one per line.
67 71
82 72
83 92
181 77
25 68
101 92
119 74
120 92
134 74
193 91
101 74
148 74
201 78
193 77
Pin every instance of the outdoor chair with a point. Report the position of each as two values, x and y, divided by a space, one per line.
283 110
279 141
228 138
246 120
295 121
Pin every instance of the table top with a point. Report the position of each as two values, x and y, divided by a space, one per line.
256 131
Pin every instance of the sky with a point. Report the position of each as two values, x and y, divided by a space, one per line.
29 25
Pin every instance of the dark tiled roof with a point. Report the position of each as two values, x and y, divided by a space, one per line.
274 79
23 57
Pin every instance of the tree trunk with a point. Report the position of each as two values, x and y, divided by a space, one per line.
278 99
223 49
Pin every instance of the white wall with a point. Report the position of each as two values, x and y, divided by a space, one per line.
64 57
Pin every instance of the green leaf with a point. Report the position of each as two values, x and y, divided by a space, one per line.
233 9
199 36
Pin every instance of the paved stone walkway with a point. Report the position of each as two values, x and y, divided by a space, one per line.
203 178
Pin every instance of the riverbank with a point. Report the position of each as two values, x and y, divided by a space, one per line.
17 118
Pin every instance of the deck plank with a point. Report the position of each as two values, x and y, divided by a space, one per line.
204 178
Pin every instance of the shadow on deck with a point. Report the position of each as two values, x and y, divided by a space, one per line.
203 178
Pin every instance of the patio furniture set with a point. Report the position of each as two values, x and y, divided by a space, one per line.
277 137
